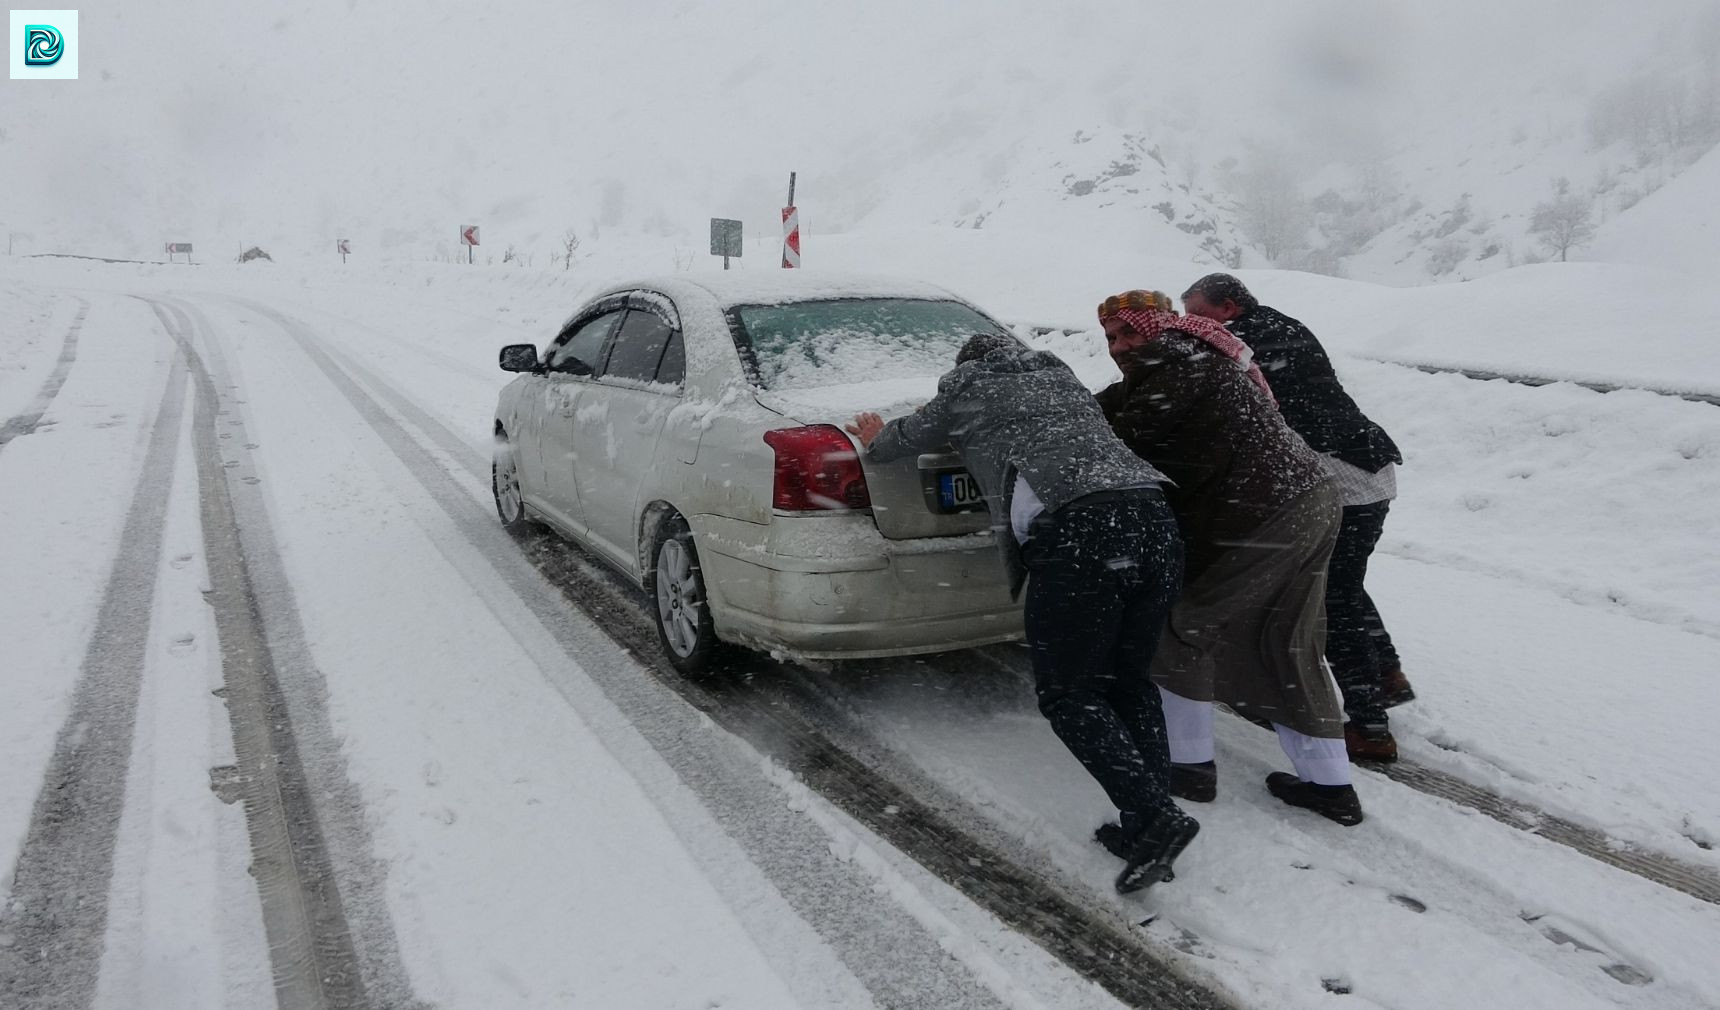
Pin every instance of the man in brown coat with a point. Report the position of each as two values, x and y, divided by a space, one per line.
1258 516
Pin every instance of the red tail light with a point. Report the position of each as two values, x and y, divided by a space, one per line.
817 469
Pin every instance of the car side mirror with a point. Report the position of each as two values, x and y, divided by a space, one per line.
519 358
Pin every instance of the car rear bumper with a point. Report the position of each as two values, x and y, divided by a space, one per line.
852 594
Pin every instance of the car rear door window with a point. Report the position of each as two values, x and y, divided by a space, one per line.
672 370
578 352
638 347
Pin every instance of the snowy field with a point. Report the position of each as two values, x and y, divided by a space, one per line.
519 815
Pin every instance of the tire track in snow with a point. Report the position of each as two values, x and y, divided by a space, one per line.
1480 374
289 771
25 423
1523 379
54 924
1094 944
1665 870
1660 614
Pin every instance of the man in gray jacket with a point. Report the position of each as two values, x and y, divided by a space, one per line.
1081 514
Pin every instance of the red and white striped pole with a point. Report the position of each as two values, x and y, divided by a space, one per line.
790 230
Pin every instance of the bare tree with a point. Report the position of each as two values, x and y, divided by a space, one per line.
1564 222
569 243
1270 207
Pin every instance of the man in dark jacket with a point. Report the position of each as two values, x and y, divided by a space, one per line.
1084 517
1362 459
1258 516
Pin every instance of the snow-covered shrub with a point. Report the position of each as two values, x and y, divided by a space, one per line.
1445 255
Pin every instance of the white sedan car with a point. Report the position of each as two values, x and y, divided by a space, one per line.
689 431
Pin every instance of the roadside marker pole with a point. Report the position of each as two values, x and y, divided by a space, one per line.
790 230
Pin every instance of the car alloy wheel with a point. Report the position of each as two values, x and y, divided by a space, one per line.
683 618
505 484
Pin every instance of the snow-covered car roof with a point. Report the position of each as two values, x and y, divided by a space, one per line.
775 287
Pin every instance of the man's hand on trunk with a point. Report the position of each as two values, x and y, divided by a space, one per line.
866 427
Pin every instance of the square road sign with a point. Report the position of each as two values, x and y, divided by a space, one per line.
725 237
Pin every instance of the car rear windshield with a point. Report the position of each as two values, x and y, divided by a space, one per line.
800 345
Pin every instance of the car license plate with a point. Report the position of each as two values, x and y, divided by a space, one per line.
958 491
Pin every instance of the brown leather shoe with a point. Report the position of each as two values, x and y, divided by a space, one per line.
1397 690
1366 744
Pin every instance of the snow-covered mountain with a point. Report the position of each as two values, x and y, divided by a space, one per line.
1408 144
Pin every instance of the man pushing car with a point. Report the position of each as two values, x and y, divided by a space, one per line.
1079 511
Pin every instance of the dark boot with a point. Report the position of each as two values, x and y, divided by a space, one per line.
1370 742
1396 690
1337 803
1195 783
1115 840
1155 849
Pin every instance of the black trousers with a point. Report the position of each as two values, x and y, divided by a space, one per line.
1357 644
1102 580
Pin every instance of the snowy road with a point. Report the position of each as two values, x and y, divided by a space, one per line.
482 789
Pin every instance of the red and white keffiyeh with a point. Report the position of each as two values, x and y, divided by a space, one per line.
1150 322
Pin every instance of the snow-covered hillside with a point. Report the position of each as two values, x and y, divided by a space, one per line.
1677 228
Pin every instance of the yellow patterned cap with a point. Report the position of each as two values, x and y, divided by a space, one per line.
1136 299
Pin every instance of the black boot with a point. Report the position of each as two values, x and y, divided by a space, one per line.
1119 838
1155 849
1337 803
1195 783
1114 839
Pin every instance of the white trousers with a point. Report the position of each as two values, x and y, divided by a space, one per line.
1188 728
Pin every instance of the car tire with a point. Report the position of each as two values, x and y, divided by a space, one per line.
679 601
505 485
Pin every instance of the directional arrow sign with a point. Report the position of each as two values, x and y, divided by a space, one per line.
469 234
